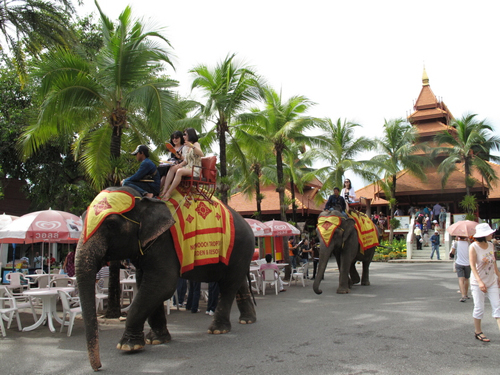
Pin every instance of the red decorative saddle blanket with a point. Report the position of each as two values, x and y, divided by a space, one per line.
203 232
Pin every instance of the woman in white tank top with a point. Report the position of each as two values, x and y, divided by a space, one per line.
485 277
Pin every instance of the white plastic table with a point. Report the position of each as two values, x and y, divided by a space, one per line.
49 311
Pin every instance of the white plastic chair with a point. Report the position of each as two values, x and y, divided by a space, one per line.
72 312
8 299
61 281
40 272
298 273
15 304
269 276
43 281
100 296
254 283
127 289
17 281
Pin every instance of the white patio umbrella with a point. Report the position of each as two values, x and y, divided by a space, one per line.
4 221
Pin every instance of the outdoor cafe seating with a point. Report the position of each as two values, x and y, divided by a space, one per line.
10 306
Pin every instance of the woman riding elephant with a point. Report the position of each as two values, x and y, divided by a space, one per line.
139 231
345 246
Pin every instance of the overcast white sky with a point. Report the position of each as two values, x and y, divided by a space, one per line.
360 60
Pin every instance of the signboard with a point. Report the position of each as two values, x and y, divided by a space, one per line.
404 222
458 217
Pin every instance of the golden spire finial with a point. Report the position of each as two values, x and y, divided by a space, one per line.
425 78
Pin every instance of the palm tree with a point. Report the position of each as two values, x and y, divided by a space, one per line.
276 126
228 88
398 149
99 100
251 167
470 145
338 147
298 170
34 25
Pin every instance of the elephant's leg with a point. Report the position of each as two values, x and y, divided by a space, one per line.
228 288
344 279
365 278
353 272
153 291
245 305
158 322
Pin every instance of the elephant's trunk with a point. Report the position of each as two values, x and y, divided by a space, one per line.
324 255
88 260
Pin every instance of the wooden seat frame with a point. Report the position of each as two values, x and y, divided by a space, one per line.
202 187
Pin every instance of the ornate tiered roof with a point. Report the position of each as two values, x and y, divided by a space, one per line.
430 117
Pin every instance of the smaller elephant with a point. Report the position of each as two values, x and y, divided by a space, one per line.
345 246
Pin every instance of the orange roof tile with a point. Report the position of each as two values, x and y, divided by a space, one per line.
426 99
270 204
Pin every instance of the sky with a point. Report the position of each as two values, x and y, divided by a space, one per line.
357 60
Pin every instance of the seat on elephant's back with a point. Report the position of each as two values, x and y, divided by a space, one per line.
202 187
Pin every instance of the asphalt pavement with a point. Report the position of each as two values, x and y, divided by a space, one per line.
409 321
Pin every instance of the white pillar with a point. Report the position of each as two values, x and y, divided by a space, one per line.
4 248
409 237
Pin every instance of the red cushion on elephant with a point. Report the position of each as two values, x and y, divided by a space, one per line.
208 167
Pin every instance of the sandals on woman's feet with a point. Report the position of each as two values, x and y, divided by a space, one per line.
481 337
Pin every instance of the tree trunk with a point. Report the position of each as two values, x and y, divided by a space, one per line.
223 162
118 120
281 185
393 205
294 206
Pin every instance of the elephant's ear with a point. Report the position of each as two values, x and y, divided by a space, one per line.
155 218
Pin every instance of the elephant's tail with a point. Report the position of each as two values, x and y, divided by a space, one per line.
250 287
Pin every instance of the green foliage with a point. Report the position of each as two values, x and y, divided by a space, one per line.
469 205
119 92
388 250
339 148
395 223
469 147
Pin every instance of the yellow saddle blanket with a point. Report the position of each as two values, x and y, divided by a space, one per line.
327 226
203 232
367 233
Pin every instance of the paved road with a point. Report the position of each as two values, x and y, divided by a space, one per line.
409 321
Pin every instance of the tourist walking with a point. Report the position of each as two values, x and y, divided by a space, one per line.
484 279
460 250
435 244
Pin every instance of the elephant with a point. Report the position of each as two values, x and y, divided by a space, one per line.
143 236
346 248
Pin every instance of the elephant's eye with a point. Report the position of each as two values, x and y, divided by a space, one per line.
112 226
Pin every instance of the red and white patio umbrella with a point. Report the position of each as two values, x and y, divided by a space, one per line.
259 228
6 220
281 229
43 226
49 226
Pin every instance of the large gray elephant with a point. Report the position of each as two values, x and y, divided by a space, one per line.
345 246
142 235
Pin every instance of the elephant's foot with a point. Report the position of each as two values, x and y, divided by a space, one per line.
157 338
218 328
131 342
355 280
343 290
365 282
247 319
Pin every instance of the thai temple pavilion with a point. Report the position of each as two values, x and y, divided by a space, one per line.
431 116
